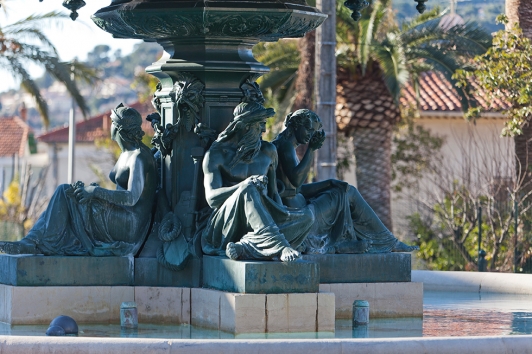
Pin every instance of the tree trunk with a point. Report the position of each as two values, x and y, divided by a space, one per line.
520 12
366 111
373 148
305 73
305 79
325 74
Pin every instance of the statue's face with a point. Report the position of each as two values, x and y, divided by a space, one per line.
258 128
304 132
114 131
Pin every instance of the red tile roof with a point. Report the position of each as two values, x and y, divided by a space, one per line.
437 94
13 136
96 127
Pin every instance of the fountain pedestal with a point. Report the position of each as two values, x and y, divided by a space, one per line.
262 313
260 277
363 268
206 71
37 270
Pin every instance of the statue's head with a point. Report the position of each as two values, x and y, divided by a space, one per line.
248 125
251 113
127 124
303 123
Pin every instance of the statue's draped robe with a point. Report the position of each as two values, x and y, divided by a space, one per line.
342 215
73 229
261 225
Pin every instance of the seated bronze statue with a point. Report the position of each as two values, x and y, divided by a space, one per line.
92 221
345 223
249 220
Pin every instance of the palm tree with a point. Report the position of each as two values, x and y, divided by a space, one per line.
375 63
376 58
279 85
22 43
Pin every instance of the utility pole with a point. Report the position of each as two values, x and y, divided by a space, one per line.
71 134
325 74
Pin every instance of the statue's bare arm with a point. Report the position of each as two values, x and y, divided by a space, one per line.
128 197
272 178
296 171
215 193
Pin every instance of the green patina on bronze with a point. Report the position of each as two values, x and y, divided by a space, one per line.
92 221
249 220
260 277
182 20
345 223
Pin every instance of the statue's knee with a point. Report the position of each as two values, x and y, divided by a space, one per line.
353 193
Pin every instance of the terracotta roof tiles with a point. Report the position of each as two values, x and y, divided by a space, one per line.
13 136
95 127
437 94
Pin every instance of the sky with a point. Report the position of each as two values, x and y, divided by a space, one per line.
72 38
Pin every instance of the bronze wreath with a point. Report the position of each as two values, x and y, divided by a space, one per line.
170 227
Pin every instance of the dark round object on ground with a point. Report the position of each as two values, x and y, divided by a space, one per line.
67 323
55 331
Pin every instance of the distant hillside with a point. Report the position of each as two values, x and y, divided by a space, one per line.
481 11
117 74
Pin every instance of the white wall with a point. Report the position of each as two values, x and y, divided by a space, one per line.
87 158
467 145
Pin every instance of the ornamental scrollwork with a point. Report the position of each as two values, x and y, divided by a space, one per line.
201 22
251 90
187 95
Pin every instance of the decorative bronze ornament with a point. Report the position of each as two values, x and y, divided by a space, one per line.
73 6
421 5
356 6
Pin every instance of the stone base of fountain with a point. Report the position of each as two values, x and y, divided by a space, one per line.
260 277
363 268
262 313
36 289
231 312
33 305
148 272
38 270
385 299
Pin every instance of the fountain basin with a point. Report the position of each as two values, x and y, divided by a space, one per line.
185 20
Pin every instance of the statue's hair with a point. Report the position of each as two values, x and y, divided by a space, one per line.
245 114
298 118
128 122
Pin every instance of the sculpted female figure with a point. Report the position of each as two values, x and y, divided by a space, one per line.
345 223
90 220
249 220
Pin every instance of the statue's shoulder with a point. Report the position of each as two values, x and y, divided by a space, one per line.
216 154
268 147
281 144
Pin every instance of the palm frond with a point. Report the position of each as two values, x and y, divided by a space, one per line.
421 20
469 39
391 59
24 42
447 65
61 72
368 28
29 86
84 73
48 18
31 34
